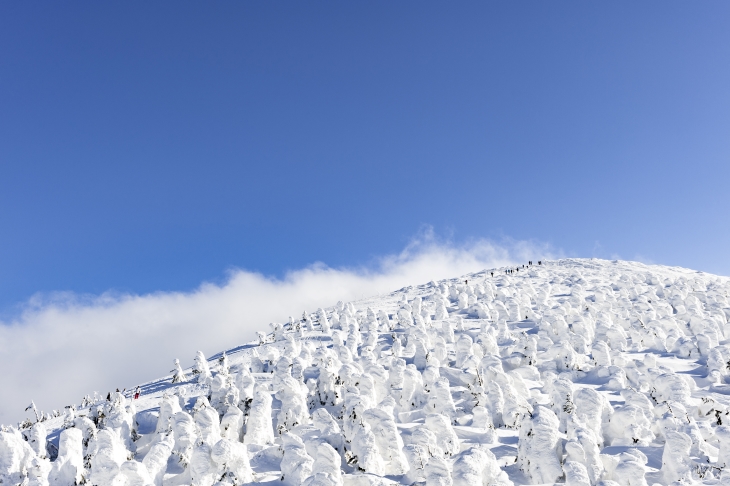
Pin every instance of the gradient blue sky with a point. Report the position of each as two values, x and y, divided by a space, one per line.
152 145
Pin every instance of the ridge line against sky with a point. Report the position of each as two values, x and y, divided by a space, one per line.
66 347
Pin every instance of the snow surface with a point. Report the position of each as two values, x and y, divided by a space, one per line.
573 371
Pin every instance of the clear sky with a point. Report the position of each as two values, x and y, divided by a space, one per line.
152 145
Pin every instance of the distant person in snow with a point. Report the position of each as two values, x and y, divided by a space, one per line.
137 392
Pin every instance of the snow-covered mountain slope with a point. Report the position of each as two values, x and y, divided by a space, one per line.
575 371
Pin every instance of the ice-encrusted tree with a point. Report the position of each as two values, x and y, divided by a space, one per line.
387 440
179 375
438 472
538 446
259 428
201 370
232 461
294 410
478 467
327 468
68 468
296 465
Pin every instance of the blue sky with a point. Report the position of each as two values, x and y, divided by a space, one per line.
153 145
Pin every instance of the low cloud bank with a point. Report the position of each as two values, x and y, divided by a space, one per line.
64 347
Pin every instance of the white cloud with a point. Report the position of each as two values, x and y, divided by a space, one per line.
64 346
644 259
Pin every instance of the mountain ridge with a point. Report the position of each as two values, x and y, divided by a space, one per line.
574 370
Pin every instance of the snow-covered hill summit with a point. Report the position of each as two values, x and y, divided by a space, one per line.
575 371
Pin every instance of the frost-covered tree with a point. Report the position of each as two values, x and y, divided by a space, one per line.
201 369
185 435
202 470
438 472
464 349
155 461
207 422
676 461
631 469
259 428
68 468
232 461
294 410
387 440
478 467
440 400
427 439
134 473
537 452
323 321
37 439
16 456
327 468
179 375
232 424
107 457
223 393
296 465
364 453
446 438
582 448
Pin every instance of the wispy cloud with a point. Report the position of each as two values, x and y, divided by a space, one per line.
644 259
63 346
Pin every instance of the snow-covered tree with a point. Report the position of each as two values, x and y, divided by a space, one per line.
259 428
201 369
179 375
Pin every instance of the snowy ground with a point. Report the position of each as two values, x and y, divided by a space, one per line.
573 371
